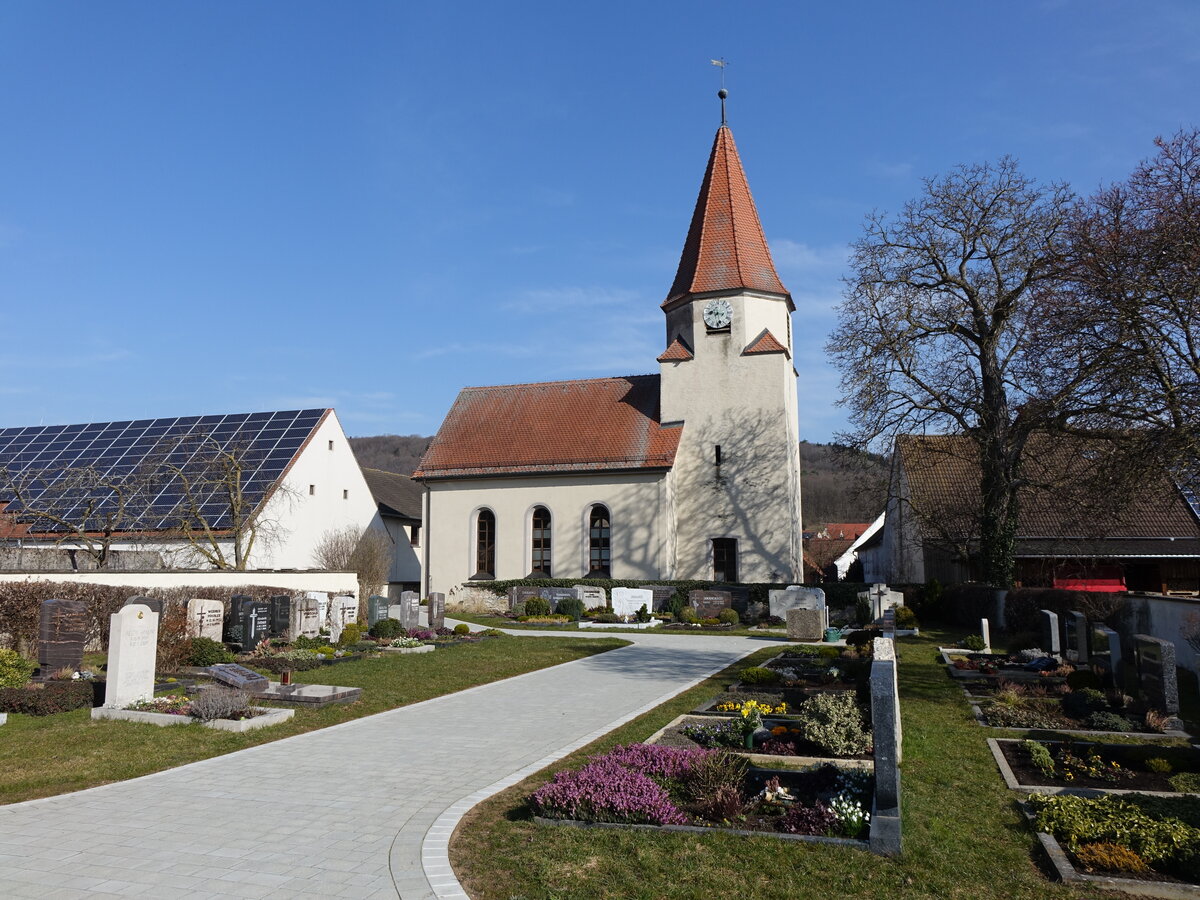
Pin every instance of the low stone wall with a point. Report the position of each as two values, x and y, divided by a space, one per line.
330 582
470 598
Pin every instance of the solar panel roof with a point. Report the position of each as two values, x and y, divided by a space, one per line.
151 474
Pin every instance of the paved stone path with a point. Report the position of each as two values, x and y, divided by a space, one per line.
362 809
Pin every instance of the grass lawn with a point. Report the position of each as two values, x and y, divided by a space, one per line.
502 622
963 835
41 756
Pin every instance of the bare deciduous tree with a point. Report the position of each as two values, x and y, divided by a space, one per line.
366 552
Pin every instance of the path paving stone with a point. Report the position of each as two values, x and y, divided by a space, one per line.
316 815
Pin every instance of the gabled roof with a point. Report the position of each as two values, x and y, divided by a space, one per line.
765 343
725 247
601 424
677 352
1058 502
397 495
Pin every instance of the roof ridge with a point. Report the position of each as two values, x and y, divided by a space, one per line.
492 387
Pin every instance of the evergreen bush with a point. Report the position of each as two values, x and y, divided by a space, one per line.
386 629
15 669
537 606
207 652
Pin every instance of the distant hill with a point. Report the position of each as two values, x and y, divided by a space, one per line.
390 452
837 484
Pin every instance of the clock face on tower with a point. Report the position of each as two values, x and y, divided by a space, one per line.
718 314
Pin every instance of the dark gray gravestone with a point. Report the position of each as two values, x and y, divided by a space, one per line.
376 609
410 610
1156 671
1106 658
555 594
233 618
155 604
239 677
663 595
739 597
61 634
281 617
256 624
1076 628
708 604
437 610
518 595
1051 641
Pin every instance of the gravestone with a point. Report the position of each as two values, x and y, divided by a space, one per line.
739 597
238 677
256 624
410 610
1075 625
795 598
555 594
806 625
132 652
343 611
1105 658
882 599
234 620
437 610
62 633
627 601
708 604
888 741
376 609
306 617
1156 673
281 617
661 596
322 601
155 604
985 631
518 595
205 618
590 596
1050 634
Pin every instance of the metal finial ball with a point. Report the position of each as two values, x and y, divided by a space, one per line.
722 93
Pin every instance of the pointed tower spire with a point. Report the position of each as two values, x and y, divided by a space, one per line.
725 248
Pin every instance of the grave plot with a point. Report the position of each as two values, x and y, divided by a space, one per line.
1053 767
1135 843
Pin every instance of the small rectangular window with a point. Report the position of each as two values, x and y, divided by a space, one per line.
312 489
346 495
725 560
414 534
331 445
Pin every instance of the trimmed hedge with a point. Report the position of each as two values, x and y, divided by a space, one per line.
53 697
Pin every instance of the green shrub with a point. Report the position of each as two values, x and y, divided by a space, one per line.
829 652
492 632
207 652
1108 721
53 697
351 634
905 617
862 611
1159 766
643 614
1082 678
834 723
688 614
1110 857
1078 704
1039 755
1185 782
728 617
537 606
1077 821
568 606
759 675
974 642
386 629
15 669
462 628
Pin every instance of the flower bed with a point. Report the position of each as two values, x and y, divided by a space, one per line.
692 788
1056 707
1026 666
1135 843
1065 767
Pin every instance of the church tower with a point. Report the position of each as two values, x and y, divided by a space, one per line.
727 376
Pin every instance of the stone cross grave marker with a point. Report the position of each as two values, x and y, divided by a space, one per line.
205 618
985 630
708 604
343 611
1050 633
627 601
62 633
256 623
1077 636
882 599
661 596
234 620
376 609
154 603
779 602
132 652
1156 671
410 609
306 617
590 596
1105 658
238 677
437 610
281 617
806 625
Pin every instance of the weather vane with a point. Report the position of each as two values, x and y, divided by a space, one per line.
722 93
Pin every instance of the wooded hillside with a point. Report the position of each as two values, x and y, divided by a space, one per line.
838 485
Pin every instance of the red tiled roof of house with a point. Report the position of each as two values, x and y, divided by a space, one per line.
849 530
725 247
677 352
765 343
558 426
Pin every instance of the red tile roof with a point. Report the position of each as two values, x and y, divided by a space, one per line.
848 530
725 248
600 424
677 352
765 343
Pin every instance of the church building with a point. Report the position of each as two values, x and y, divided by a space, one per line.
690 473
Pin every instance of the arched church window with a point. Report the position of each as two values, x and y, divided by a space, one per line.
540 566
485 544
599 543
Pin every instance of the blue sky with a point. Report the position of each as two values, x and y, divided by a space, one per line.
225 207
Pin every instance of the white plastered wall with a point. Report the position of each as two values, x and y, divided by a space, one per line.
748 406
638 504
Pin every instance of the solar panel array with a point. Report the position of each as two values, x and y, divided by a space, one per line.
150 474
1189 486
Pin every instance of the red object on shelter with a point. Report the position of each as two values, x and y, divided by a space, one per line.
1103 580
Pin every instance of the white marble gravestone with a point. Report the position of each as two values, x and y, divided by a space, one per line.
779 602
322 600
590 597
306 617
132 653
985 630
205 618
343 611
627 601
